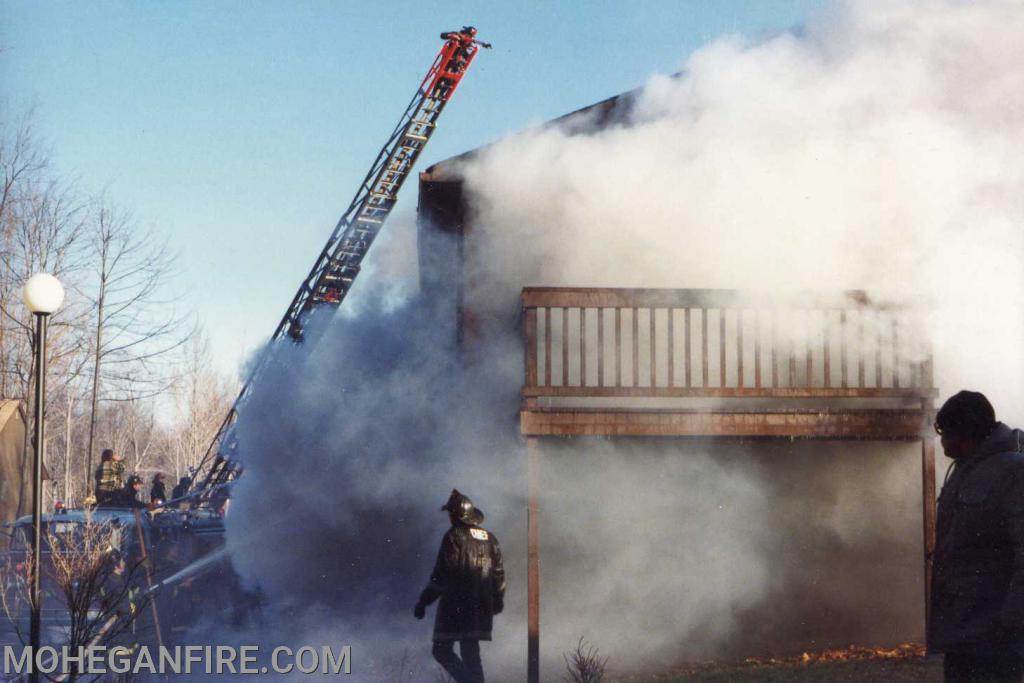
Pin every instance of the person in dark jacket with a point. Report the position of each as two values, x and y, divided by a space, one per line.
469 579
129 495
158 492
977 596
182 488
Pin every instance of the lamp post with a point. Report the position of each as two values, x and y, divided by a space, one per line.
43 296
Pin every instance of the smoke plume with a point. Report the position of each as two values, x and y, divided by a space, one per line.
873 149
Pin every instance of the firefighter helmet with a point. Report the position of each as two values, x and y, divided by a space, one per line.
463 509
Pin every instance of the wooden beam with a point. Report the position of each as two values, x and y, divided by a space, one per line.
532 562
610 297
882 425
731 392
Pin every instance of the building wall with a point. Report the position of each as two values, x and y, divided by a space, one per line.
15 486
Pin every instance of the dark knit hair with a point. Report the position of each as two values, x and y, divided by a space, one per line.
966 414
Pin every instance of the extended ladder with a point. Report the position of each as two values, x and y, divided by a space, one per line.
339 263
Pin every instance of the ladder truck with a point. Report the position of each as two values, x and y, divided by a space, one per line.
336 267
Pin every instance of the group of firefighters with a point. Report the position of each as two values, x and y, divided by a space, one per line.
977 591
114 491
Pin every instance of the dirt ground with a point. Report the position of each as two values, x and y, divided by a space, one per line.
896 665
883 671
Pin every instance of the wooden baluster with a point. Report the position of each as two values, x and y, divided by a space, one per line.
704 343
895 351
772 318
651 312
618 347
686 348
547 346
636 347
791 315
531 347
808 360
878 349
828 350
671 349
842 346
583 347
757 349
860 348
739 347
600 347
721 347
565 346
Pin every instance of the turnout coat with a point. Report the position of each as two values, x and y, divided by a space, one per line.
977 599
469 579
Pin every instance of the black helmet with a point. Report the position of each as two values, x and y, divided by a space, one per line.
133 480
463 509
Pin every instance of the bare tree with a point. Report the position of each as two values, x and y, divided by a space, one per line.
112 346
21 163
40 230
103 592
203 397
134 323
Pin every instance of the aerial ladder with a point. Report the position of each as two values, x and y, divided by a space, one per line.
336 267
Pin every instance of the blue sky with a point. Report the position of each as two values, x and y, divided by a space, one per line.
241 129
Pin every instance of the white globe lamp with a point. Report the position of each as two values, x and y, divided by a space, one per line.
43 294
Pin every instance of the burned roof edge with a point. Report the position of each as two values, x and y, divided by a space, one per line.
583 121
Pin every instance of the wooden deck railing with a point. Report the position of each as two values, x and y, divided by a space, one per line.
694 343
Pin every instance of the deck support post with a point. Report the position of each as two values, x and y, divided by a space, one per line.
928 516
533 563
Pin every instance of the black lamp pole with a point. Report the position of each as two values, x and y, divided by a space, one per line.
37 488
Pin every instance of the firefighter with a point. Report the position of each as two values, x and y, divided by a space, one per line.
158 492
977 596
129 495
470 580
182 488
109 477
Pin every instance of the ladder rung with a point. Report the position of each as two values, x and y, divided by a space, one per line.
366 219
413 136
382 195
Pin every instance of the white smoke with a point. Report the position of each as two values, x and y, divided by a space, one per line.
875 149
